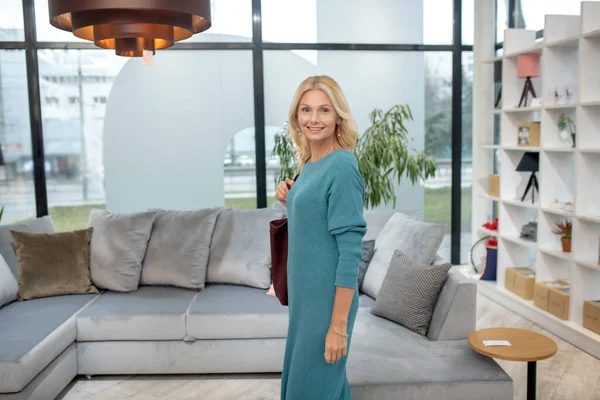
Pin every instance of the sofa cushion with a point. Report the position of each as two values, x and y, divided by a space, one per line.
386 360
236 312
409 292
179 247
42 225
365 301
53 264
240 249
418 240
149 313
8 284
376 220
368 249
118 247
32 334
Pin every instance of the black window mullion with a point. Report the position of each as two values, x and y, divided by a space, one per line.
456 134
259 105
35 109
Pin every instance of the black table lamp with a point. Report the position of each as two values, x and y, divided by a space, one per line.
530 163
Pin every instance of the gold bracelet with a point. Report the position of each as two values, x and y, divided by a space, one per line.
338 332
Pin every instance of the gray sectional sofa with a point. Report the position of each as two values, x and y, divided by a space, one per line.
223 328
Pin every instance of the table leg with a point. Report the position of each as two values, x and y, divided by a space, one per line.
531 378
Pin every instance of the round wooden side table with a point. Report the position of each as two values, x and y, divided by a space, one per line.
525 346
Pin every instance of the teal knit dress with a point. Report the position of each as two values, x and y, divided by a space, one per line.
325 231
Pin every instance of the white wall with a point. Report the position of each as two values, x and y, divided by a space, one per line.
166 128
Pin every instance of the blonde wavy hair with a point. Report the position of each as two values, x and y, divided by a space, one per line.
347 129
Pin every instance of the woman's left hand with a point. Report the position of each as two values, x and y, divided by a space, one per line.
336 346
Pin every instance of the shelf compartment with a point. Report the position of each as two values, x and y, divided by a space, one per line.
585 285
548 240
558 212
552 266
557 170
588 127
587 184
557 254
590 73
560 66
586 242
511 254
550 133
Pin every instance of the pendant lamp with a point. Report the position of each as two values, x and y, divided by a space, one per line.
131 27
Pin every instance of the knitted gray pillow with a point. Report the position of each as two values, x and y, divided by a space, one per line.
409 292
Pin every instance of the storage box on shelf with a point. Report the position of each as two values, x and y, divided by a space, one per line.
568 88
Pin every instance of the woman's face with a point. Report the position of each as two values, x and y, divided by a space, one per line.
316 116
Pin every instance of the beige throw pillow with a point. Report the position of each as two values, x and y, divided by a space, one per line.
53 264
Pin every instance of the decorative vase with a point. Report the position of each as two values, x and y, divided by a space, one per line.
566 245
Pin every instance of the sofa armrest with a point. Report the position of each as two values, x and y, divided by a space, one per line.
454 314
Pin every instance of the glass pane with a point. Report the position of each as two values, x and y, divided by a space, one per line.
467 156
74 87
231 22
17 193
353 21
468 21
501 19
11 21
46 32
531 13
371 80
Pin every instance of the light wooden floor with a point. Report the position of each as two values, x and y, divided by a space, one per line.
570 375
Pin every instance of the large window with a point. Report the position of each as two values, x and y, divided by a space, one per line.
467 156
370 80
74 90
17 193
11 21
113 129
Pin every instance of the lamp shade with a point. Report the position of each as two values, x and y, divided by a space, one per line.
528 65
529 162
131 27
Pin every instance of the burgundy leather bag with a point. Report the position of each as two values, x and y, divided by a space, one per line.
278 229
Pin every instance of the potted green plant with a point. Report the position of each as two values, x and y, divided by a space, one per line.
566 127
382 151
564 230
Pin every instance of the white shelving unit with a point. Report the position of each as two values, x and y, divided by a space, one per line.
570 55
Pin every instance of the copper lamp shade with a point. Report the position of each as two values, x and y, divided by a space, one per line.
131 26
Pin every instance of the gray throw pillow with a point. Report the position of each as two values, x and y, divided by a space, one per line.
118 247
179 247
409 292
418 240
368 249
7 250
240 251
9 288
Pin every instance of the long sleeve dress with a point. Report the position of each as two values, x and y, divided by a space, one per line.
325 231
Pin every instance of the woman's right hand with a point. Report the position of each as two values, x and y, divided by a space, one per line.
283 189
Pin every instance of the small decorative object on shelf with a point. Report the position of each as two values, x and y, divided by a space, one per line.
528 66
494 185
529 231
529 134
564 230
591 315
492 226
530 163
566 128
566 206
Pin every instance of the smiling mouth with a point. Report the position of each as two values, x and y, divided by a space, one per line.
314 129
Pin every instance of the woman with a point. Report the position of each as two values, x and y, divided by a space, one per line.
325 231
